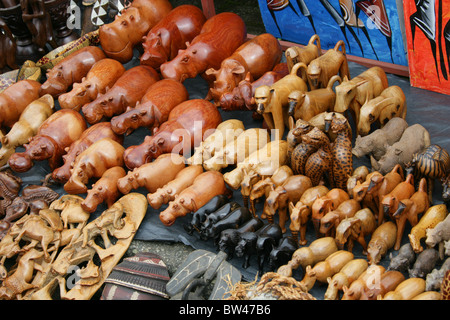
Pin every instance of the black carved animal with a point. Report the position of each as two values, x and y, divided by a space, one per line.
246 247
216 216
201 214
233 220
282 253
268 237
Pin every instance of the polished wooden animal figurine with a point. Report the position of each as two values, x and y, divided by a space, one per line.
324 204
389 104
282 252
358 176
354 290
119 37
345 277
226 132
435 237
71 70
406 290
58 132
383 239
375 143
355 228
278 199
220 36
14 100
205 186
238 149
92 163
429 220
100 78
410 209
305 54
330 221
242 96
27 126
389 202
153 109
180 26
299 151
149 175
341 151
89 136
104 190
216 215
387 282
188 124
305 105
303 257
255 56
126 92
185 178
265 161
272 101
300 212
351 94
332 62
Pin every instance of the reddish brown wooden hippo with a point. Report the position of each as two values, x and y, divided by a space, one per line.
171 34
189 123
71 70
220 36
127 91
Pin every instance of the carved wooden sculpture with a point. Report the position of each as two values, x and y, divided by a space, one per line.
300 213
220 36
226 132
8 48
149 174
237 150
100 78
153 109
14 100
180 26
332 62
272 101
27 126
341 150
351 94
104 189
388 281
10 186
92 134
242 96
184 179
410 209
278 199
383 239
72 213
71 70
358 227
200 216
429 220
189 123
305 105
303 257
92 163
437 236
345 277
358 176
389 104
265 161
304 54
119 37
255 56
299 150
55 134
205 186
389 202
330 221
424 264
126 92
406 290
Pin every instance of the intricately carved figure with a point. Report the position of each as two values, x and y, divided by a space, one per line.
8 47
319 163
341 150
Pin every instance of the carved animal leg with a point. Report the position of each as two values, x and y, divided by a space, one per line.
269 120
401 221
283 218
279 122
303 223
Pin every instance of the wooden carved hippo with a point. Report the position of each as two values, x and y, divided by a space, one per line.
104 190
206 186
188 124
170 34
220 36
149 174
92 134
14 100
153 109
290 191
255 56
71 70
57 133
126 91
119 37
92 163
241 97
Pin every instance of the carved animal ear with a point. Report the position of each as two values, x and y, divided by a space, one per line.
210 71
238 70
272 91
160 141
345 79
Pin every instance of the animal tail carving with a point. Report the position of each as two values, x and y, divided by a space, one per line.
297 67
332 80
315 38
340 45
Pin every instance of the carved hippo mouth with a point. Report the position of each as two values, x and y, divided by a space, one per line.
117 52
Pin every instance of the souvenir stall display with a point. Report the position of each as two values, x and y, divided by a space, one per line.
293 173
